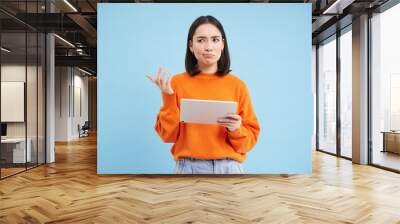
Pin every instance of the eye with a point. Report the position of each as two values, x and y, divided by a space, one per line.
216 40
200 40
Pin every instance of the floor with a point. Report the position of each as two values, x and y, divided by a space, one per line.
70 191
388 159
8 171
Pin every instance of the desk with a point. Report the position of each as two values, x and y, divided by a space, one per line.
391 141
13 150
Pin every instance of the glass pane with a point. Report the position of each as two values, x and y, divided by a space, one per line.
41 98
13 87
23 84
327 96
346 93
31 100
386 89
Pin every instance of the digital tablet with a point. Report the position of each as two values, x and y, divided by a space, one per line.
205 111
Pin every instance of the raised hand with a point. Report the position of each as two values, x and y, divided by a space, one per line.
162 80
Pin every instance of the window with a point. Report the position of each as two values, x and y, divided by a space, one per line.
327 96
346 93
385 88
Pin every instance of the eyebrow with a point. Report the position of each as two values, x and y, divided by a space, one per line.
206 37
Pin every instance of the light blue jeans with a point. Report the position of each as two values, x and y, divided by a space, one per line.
213 166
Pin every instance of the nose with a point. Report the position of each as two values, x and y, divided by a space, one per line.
208 49
208 46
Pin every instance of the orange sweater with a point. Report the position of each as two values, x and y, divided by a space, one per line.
205 141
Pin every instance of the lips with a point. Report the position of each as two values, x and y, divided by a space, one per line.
208 55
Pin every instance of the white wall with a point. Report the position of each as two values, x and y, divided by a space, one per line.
62 81
15 72
80 110
314 91
71 93
12 73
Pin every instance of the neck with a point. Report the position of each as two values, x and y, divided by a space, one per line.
208 68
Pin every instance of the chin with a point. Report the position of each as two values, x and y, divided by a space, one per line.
208 63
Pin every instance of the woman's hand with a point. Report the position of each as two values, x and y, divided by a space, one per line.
231 121
162 80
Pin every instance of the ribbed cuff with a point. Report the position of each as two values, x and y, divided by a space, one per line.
236 133
169 99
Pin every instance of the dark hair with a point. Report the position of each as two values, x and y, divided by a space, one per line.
224 61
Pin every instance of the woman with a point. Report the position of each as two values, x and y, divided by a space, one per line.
200 148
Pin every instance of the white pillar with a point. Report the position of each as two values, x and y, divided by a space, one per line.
360 90
50 91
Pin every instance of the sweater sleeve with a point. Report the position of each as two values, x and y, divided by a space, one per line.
167 124
245 137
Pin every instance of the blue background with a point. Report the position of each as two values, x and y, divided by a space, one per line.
270 47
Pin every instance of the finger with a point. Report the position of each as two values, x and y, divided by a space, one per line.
227 122
237 118
159 82
158 76
169 82
163 75
162 71
223 123
228 118
228 126
163 81
221 120
150 78
234 116
225 119
159 71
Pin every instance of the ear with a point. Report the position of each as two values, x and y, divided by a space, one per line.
191 45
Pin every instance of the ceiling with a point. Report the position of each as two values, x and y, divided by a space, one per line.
76 22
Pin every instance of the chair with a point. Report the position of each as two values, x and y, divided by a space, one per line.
84 130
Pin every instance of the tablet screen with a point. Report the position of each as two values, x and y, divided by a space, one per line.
205 111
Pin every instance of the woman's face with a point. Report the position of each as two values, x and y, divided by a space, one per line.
207 44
